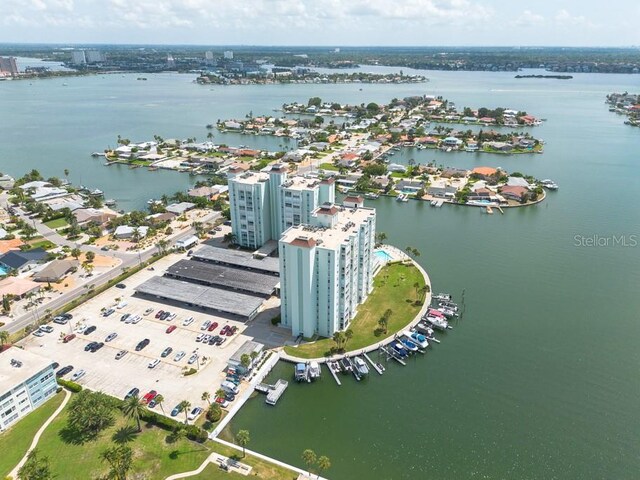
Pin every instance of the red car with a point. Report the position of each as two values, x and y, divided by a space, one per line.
212 327
224 330
149 396
171 328
159 314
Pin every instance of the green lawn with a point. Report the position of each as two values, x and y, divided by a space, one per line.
328 166
393 289
261 469
44 244
57 223
15 441
153 456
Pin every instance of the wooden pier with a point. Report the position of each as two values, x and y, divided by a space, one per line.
375 366
274 392
391 354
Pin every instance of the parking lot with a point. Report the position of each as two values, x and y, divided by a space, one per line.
117 377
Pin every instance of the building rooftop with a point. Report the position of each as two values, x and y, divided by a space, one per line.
348 220
213 298
245 349
223 276
238 258
301 183
26 365
251 177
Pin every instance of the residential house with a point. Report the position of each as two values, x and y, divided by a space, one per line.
125 232
410 185
56 270
180 208
22 261
17 287
485 173
514 193
500 146
86 216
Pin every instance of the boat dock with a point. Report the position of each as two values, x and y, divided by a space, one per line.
273 392
375 366
333 373
391 354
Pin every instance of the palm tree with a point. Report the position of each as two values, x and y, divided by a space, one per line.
220 393
338 337
323 464
309 458
159 399
206 396
243 438
348 335
4 338
134 408
184 406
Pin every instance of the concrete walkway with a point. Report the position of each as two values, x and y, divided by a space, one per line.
371 348
36 438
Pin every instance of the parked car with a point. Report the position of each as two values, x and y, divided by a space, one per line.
220 340
110 337
121 305
192 359
179 356
60 320
64 370
121 354
193 414
187 321
89 346
213 339
224 329
166 352
171 316
68 338
176 410
170 328
120 285
149 396
38 333
136 319
213 326
55 365
124 317
148 311
80 329
78 375
222 402
229 397
206 338
199 337
90 329
142 344
108 312
134 392
153 363
129 320
97 347
205 325
160 313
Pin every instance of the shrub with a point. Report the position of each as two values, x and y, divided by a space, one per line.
214 413
197 434
191 371
69 385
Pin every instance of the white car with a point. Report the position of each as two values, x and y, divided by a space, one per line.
206 324
121 305
80 329
193 414
148 311
193 358
199 337
110 337
136 319
206 338
39 333
46 328
154 363
179 356
187 321
78 375
171 317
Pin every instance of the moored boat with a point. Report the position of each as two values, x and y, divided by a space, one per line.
314 370
301 373
361 366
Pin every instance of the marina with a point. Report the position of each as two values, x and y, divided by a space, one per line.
273 392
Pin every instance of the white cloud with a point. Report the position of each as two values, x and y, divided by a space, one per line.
564 18
529 19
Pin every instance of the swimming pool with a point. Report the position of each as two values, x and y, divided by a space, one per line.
383 256
3 271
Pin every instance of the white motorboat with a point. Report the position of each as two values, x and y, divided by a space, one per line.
437 322
361 366
417 338
444 297
314 370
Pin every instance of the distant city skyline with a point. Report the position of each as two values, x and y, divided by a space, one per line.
322 22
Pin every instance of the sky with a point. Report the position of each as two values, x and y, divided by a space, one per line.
323 22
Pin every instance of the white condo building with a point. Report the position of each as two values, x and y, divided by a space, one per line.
264 204
326 268
27 380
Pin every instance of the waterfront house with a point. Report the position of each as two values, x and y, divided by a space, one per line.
157 218
232 125
500 146
395 167
453 173
441 189
382 181
485 173
410 185
514 193
517 182
210 193
180 208
6 182
452 142
35 184
85 216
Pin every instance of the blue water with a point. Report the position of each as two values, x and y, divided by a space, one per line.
382 255
3 271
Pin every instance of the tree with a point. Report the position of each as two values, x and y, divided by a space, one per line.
206 396
162 245
4 335
159 399
179 433
381 237
90 256
199 229
76 252
133 409
28 232
119 458
220 393
348 335
338 337
35 468
309 458
323 464
90 413
245 360
184 406
88 268
314 102
242 439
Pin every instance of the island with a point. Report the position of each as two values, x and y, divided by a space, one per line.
627 104
556 77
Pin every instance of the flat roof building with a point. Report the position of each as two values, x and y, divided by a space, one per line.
237 259
326 269
27 381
